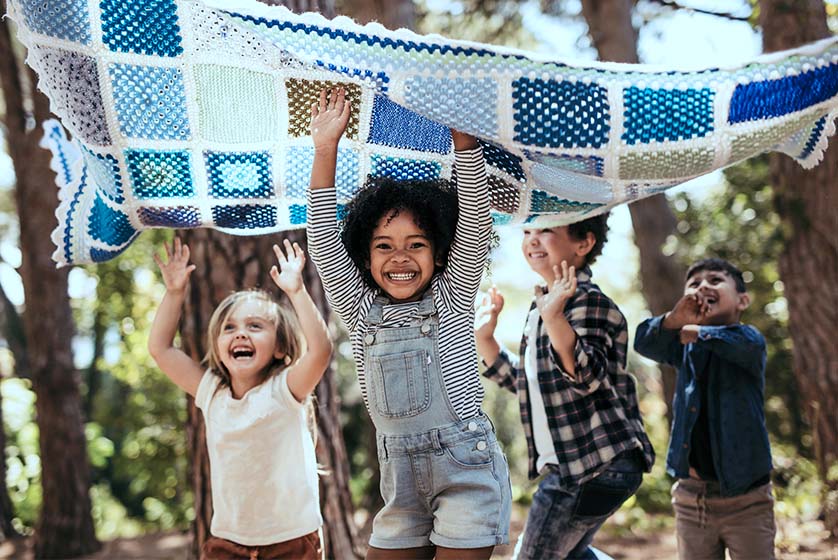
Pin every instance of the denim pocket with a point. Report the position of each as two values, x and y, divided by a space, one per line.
604 495
401 387
469 455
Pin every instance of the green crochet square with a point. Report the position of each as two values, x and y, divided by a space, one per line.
662 165
236 105
762 140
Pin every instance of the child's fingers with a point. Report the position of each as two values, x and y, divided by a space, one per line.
278 252
333 96
323 101
274 272
185 252
157 259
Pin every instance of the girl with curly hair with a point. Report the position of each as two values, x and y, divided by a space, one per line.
403 274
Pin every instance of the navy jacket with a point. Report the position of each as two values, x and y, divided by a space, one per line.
732 358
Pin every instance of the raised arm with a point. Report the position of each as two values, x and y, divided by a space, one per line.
329 118
185 372
305 373
474 226
342 280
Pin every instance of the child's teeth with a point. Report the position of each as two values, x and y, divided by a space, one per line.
404 276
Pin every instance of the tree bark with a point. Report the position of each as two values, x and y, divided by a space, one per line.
392 14
11 329
661 276
65 525
805 201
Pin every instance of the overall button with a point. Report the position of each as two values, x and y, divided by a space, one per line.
369 339
472 426
481 445
426 328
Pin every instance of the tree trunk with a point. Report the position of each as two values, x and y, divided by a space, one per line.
661 276
392 14
11 329
65 525
805 201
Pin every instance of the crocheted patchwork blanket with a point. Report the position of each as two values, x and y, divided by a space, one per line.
194 113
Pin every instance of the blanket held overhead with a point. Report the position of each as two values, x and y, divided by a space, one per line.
194 113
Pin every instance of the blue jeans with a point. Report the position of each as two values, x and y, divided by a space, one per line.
562 521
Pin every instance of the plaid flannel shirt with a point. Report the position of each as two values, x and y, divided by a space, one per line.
592 414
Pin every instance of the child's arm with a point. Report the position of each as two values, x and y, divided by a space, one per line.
742 345
474 226
501 367
654 341
341 279
329 118
551 306
306 372
185 372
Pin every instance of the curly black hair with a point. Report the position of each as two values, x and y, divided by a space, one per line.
433 204
598 225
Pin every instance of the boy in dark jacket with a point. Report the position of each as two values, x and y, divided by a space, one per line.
719 449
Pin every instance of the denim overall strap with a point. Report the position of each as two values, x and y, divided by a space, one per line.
404 382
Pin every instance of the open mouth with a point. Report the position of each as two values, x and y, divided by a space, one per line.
537 255
241 353
401 276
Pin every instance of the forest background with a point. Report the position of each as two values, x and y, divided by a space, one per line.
99 445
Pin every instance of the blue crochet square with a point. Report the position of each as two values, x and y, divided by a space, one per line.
403 169
102 255
470 103
393 125
658 115
503 160
297 214
160 174
150 102
63 19
178 217
239 174
554 114
141 27
774 98
245 216
298 160
108 225
542 202
104 172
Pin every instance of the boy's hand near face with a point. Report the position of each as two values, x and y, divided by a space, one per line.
690 310
463 141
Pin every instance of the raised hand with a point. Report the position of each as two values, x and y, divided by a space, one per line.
176 268
486 315
560 291
289 276
690 310
329 117
463 141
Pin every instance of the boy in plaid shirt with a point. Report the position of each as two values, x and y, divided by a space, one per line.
578 404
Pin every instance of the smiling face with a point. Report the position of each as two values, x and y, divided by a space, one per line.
545 248
718 290
402 259
247 342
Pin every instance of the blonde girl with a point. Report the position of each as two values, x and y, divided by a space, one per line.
258 377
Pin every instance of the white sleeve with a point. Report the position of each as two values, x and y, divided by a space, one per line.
206 390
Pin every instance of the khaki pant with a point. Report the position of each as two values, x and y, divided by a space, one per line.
306 547
707 523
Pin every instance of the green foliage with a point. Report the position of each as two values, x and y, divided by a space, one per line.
23 463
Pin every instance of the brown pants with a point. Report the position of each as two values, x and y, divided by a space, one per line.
707 523
306 547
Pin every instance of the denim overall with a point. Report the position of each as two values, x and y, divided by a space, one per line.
444 481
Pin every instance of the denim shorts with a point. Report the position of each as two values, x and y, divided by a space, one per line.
445 487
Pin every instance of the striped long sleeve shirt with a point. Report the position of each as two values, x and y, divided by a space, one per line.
454 289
